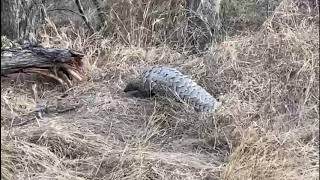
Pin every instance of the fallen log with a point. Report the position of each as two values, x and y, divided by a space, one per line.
63 65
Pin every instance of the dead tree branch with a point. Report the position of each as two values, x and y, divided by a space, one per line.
63 65
85 19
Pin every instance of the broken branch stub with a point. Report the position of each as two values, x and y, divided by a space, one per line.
63 65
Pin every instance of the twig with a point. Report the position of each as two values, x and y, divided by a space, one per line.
39 108
85 19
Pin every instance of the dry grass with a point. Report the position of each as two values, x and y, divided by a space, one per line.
144 22
267 127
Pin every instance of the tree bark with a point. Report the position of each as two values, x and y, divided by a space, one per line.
21 18
62 65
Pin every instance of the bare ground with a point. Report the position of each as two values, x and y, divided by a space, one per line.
267 127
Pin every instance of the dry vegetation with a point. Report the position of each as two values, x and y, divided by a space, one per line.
267 127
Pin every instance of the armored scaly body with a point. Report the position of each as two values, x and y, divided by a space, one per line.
166 81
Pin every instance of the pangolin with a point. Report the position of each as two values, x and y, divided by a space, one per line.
168 81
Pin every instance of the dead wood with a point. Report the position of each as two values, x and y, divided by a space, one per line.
63 65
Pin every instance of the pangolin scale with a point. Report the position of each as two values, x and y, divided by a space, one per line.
170 82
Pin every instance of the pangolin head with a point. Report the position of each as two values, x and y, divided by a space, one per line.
133 85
